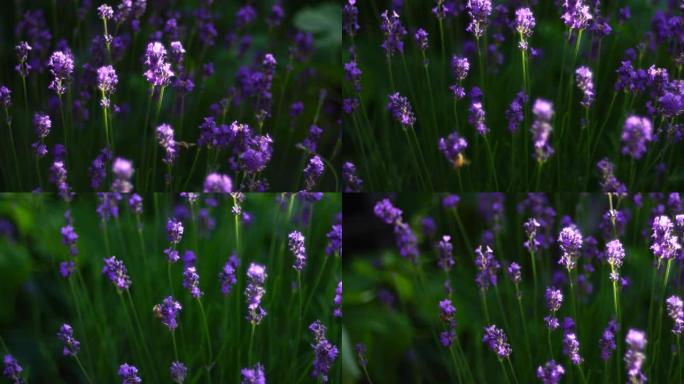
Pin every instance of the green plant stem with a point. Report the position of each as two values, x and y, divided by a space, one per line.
251 342
548 334
456 364
206 331
534 277
389 70
78 361
491 162
510 365
503 368
484 305
14 149
658 329
175 348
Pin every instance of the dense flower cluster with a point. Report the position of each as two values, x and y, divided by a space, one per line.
636 133
167 312
615 254
337 300
634 356
116 272
191 282
551 373
496 340
554 300
129 374
479 11
255 291
66 336
675 309
584 80
524 24
664 242
254 375
296 244
12 370
452 147
570 243
448 316
541 129
487 267
401 110
607 343
394 32
228 276
445 259
325 352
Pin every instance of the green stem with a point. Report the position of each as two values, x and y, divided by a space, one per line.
78 361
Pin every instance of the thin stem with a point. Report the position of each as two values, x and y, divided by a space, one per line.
78 361
175 348
510 365
548 334
251 342
8 119
206 330
484 305
491 162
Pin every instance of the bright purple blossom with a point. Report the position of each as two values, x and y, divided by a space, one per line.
228 276
217 183
167 312
325 352
394 33
129 374
337 300
636 133
400 108
123 172
106 83
165 138
487 267
116 272
570 243
256 276
41 125
524 23
452 147
515 113
66 268
445 259
615 254
5 97
571 348
476 117
608 340
66 336
178 372
296 244
157 70
191 282
585 82
447 313
675 309
551 373
514 273
634 356
541 129
421 38
334 237
531 226
254 375
554 300
479 11
313 172
497 341
61 67
576 14
12 370
387 212
664 242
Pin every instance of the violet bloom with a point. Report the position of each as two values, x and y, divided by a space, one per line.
675 309
447 313
554 300
452 147
487 267
106 83
228 276
421 38
157 70
607 341
350 18
66 336
515 113
524 23
313 172
551 373
394 32
217 183
167 312
634 356
570 243
514 273
255 291
387 212
191 282
129 374
98 168
497 341
41 125
116 272
58 177
310 142
615 254
446 259
636 133
575 14
178 372
105 12
61 67
571 348
531 226
664 245
476 117
460 66
479 11
167 142
5 97
337 300
406 241
334 237
400 108
610 183
12 370
541 129
66 268
22 50
69 237
583 76
254 375
325 352
135 203
123 172
296 244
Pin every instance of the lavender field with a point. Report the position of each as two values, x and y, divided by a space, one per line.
513 288
480 95
167 288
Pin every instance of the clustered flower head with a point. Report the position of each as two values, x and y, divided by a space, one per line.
496 340
5 97
129 374
350 18
514 273
41 125
487 267
607 341
615 254
58 177
476 117
123 172
665 244
313 171
394 32
460 66
106 83
551 373
387 212
448 316
571 348
337 300
217 183
105 12
98 168
296 244
636 133
524 23
191 281
61 67
228 276
541 129
452 147
256 276
421 38
570 242
584 80
634 356
531 226
610 183
166 140
479 11
66 336
22 50
254 375
334 240
576 14
675 309
515 113
445 249
116 272
554 300
69 236
157 70
12 370
325 352
167 312
178 372
400 108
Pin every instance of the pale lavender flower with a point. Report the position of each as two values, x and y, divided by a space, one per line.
61 67
337 300
585 82
254 375
157 70
551 373
636 133
191 282
66 336
387 212
228 276
554 300
497 341
22 50
634 356
12 370
576 14
129 374
325 352
570 243
421 38
41 125
105 12
106 83
531 226
447 313
394 32
446 259
217 183
178 372
476 117
168 312
487 267
608 341
452 147
313 172
665 245
675 309
296 244
479 11
524 23
256 276
541 129
400 108
116 272
123 172
615 254
514 273
165 138
571 348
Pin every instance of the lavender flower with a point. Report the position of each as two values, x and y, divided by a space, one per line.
664 242
41 125
253 375
421 38
575 14
61 67
406 241
135 203
116 272
610 183
571 348
394 33
445 260
167 142
350 18
514 273
400 108
524 23
634 356
570 242
167 312
487 267
479 11
105 12
256 276
675 309
106 83
12 370
615 254
69 237
360 350
334 240
217 183
157 70
515 113
448 316
531 226
452 147
5 97
178 372
98 168
541 129
58 177
66 268
66 336
337 300
123 172
554 300
476 117
312 172
636 133
607 341
296 244
386 212
191 282
551 373
584 80
129 374
497 341
228 276
174 230
22 50
325 352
